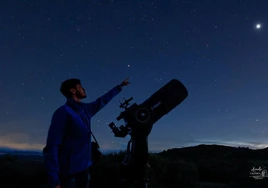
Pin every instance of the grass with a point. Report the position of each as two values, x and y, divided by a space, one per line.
163 173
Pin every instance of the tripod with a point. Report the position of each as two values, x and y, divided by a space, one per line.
134 169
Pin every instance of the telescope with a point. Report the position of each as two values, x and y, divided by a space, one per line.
139 120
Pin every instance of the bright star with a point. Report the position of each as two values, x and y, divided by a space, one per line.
258 26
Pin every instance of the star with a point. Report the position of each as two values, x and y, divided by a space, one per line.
258 26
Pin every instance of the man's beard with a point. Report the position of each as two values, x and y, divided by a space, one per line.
81 96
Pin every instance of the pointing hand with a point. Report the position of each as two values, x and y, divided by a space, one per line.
125 82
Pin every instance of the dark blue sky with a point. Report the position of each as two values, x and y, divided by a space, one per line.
213 47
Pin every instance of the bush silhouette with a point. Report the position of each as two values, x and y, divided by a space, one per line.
187 167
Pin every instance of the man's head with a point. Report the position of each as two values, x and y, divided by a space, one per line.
72 88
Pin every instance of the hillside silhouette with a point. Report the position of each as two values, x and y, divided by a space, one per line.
218 151
194 167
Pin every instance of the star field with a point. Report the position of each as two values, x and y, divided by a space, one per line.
218 50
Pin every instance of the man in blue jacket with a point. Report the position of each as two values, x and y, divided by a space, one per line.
67 152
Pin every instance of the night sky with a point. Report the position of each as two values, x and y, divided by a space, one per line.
217 49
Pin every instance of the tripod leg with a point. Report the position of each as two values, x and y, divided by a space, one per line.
134 169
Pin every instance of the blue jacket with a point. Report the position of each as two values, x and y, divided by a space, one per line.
68 148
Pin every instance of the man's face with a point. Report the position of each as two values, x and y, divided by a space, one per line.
79 92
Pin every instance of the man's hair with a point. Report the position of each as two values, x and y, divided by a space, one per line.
67 85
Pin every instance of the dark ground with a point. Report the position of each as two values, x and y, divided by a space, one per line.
194 167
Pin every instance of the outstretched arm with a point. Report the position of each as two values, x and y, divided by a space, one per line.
102 101
54 140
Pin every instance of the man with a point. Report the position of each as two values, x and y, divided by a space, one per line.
67 152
